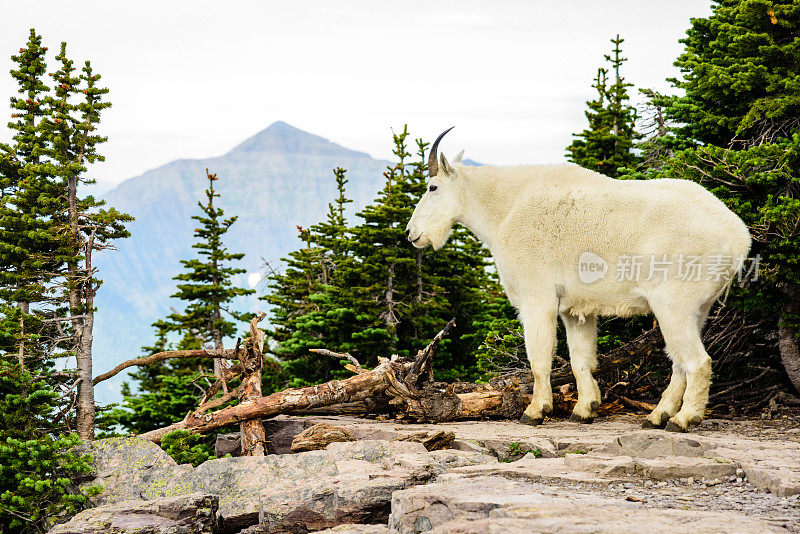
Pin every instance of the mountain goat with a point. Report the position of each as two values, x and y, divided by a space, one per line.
573 243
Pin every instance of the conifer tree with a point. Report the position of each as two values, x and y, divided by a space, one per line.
208 286
462 273
739 75
31 250
49 230
72 131
607 144
168 391
388 273
332 234
311 301
38 470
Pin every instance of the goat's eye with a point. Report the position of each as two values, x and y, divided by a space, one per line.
432 188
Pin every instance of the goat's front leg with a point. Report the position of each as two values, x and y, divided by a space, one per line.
539 324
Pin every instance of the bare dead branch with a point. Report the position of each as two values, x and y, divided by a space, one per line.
160 356
340 355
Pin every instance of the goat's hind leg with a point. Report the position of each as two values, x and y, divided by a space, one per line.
582 342
671 400
691 365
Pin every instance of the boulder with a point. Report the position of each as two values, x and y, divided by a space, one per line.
360 488
781 481
347 482
535 470
666 468
228 444
320 436
604 465
195 513
683 467
124 455
281 430
423 508
131 468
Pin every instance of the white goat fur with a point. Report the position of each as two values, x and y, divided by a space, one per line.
538 219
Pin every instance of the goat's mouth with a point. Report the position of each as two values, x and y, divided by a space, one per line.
418 241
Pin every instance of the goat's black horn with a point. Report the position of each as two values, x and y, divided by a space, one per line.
433 163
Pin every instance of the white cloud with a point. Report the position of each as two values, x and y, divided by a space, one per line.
253 279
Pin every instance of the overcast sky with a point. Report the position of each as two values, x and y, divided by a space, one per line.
192 79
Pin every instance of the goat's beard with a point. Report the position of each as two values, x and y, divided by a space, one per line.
439 239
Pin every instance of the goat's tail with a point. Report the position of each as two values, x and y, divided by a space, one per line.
740 247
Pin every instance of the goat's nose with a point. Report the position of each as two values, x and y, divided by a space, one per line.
408 232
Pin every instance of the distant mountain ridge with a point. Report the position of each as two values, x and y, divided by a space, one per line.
279 178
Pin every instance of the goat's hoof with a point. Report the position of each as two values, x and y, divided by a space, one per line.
528 420
575 418
662 421
674 427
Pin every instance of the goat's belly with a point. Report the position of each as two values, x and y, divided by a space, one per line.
625 304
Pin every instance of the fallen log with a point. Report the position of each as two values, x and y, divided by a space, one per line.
617 358
354 389
404 388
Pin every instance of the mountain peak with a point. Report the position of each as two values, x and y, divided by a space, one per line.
281 137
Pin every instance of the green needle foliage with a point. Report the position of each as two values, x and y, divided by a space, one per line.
207 286
740 74
32 251
607 144
38 465
187 448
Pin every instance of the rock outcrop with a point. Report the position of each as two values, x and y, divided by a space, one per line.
498 477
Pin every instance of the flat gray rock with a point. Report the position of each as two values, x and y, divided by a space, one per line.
564 517
498 505
656 444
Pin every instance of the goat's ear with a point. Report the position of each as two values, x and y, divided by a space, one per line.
446 168
458 158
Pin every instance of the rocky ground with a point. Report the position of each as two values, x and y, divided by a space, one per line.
498 477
